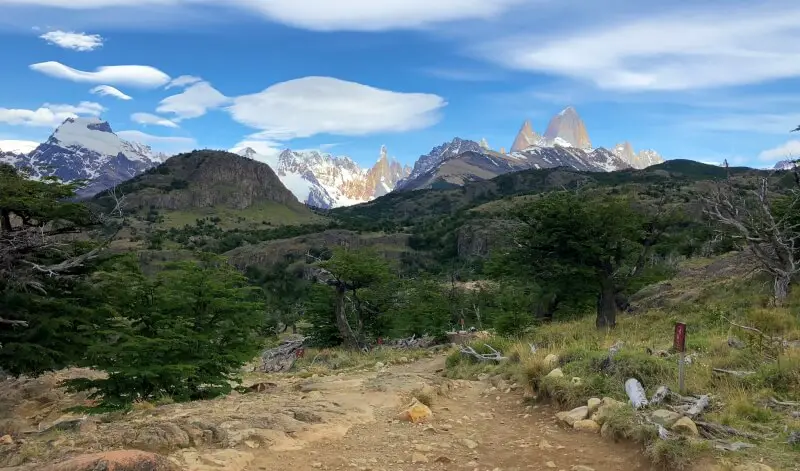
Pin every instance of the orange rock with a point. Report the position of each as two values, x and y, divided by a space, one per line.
416 412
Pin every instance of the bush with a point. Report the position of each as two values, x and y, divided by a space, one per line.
184 335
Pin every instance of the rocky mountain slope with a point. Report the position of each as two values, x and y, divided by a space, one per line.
86 149
567 129
205 179
326 181
786 165
642 159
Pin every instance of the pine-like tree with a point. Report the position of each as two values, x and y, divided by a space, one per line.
184 335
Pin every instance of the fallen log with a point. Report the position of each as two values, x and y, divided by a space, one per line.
636 394
716 430
660 395
282 357
699 406
738 374
493 356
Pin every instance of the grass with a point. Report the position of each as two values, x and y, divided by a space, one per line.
743 403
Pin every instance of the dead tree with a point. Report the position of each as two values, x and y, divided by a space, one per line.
772 239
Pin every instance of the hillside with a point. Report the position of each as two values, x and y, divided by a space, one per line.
237 190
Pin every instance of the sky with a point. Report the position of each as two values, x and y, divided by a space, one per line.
709 81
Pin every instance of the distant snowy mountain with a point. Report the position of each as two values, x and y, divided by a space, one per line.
325 181
786 165
87 149
460 161
17 147
643 159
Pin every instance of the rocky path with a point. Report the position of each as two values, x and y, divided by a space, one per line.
345 421
474 427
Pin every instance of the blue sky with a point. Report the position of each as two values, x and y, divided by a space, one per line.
707 80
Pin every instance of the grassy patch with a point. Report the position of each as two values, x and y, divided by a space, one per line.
741 402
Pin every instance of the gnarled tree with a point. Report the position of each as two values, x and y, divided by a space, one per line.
770 232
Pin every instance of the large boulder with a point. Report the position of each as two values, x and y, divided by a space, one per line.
415 412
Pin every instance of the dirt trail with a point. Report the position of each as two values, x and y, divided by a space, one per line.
509 435
331 422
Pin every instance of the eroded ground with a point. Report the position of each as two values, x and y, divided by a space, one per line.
329 422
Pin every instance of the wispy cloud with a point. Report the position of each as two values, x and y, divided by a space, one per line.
133 75
147 118
76 41
790 149
108 90
316 105
193 102
696 47
48 115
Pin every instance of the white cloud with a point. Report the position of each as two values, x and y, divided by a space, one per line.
108 90
462 75
147 118
314 105
48 115
372 15
790 149
688 49
142 76
83 108
325 15
183 81
76 41
759 123
167 144
265 148
193 102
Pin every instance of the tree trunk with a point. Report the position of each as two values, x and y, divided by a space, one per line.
607 304
781 287
5 220
348 338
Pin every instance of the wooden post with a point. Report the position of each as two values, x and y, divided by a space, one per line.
679 344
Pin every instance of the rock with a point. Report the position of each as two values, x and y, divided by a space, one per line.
551 464
606 410
551 360
443 459
685 426
471 444
579 413
556 373
483 376
403 360
316 464
227 459
545 445
752 467
6 440
605 431
593 404
580 467
415 412
423 448
119 460
576 381
419 458
664 417
586 425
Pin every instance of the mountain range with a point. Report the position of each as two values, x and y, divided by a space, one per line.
88 149
84 149
565 143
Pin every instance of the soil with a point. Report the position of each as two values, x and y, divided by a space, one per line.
344 421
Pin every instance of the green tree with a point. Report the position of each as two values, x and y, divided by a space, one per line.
569 241
46 312
351 274
184 334
284 291
423 308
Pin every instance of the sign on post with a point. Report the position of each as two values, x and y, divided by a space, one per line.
679 344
